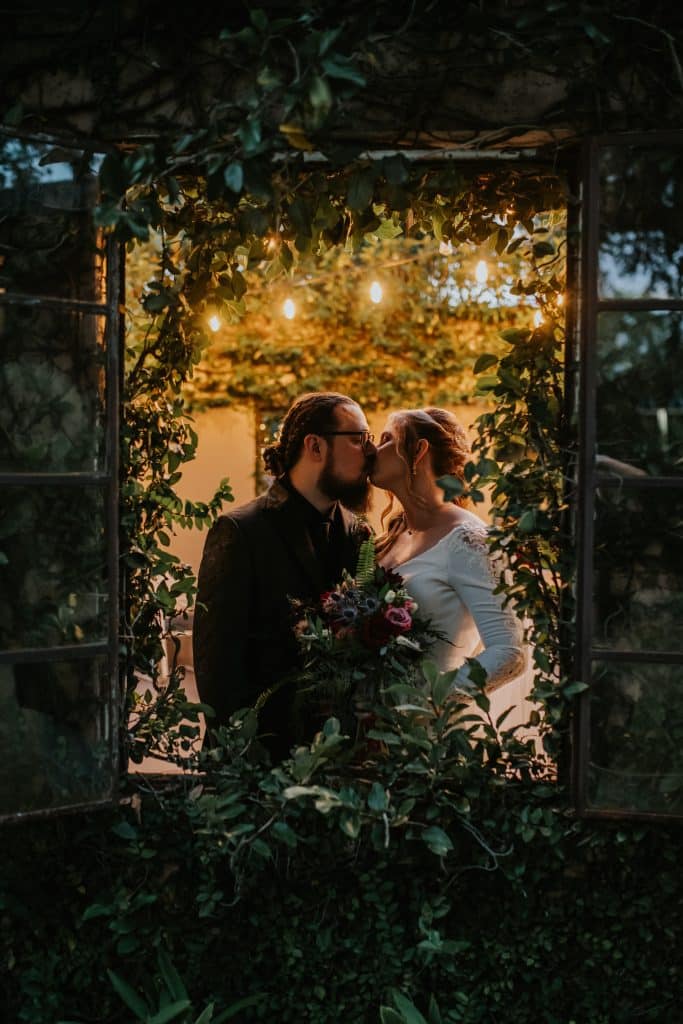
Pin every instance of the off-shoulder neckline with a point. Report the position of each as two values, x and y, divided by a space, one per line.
459 526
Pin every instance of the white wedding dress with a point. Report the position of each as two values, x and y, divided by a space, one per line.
453 583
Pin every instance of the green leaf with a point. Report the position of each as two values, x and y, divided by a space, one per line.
339 67
237 1007
361 189
234 176
377 798
484 362
170 1012
95 910
544 248
206 1016
129 996
451 486
389 1016
396 169
124 830
408 1010
349 823
513 335
527 521
573 689
319 94
442 687
172 979
284 833
437 840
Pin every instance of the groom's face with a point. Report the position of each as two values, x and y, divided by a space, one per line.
348 459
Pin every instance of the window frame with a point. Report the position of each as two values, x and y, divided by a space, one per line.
589 478
107 478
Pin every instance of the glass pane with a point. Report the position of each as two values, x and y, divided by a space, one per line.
53 566
636 738
639 400
48 243
641 223
52 376
55 735
638 570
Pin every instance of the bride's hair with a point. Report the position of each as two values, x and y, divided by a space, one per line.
448 447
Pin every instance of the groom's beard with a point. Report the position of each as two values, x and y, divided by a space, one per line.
352 494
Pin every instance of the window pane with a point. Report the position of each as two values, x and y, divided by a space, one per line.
639 401
636 738
48 243
641 223
638 570
52 375
55 734
53 566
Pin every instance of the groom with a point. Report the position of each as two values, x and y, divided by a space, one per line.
293 541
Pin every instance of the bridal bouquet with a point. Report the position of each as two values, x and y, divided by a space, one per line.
359 638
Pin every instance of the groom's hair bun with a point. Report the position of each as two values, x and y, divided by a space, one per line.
312 413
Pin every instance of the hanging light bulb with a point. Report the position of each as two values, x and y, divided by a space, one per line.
376 292
289 309
215 323
538 318
481 272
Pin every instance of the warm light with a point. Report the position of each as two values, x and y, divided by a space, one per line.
538 318
215 323
446 248
482 272
376 292
289 309
560 300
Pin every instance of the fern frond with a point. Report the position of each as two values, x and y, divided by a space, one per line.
365 567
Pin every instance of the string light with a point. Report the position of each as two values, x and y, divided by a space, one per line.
376 293
481 272
289 309
215 323
560 300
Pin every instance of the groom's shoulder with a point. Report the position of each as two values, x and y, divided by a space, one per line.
258 509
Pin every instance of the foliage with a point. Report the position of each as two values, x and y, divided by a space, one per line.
157 437
431 865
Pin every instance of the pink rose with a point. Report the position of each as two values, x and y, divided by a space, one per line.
400 618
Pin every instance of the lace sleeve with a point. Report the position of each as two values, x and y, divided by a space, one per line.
472 575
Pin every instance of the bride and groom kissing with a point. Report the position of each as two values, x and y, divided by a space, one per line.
295 541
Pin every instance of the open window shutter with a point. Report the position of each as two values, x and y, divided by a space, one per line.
59 354
629 735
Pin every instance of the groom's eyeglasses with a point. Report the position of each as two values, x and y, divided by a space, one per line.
365 436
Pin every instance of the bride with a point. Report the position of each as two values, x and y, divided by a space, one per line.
440 548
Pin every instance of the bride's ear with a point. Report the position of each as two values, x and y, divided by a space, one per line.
420 452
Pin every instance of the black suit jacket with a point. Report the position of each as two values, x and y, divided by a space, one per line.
254 560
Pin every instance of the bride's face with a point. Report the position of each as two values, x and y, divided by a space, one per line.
388 469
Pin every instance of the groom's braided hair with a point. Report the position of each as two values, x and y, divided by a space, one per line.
310 414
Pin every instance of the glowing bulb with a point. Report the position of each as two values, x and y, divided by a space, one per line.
481 272
376 292
538 318
560 300
215 323
289 309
